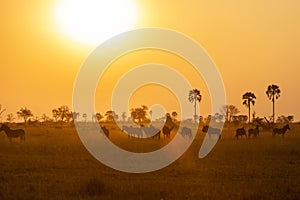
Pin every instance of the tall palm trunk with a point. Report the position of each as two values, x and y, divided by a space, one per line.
273 110
249 111
195 109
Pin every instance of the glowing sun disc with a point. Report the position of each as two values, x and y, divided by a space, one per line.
94 21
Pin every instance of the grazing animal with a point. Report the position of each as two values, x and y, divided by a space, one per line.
13 133
240 132
253 131
212 131
185 131
281 130
105 131
167 131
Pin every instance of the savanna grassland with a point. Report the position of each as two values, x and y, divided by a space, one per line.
53 164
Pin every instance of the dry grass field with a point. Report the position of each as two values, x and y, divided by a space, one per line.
53 164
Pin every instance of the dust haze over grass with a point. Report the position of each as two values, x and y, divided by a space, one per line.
53 164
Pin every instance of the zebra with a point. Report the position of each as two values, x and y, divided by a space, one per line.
281 130
240 132
212 131
13 133
253 131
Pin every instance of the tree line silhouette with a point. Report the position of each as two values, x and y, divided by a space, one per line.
142 116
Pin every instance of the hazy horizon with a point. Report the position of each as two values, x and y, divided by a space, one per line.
254 44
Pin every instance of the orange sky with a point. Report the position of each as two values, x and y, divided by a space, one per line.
254 43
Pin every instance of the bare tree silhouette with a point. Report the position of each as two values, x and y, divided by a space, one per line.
84 115
10 118
150 113
194 97
273 92
124 116
75 115
25 114
249 98
1 111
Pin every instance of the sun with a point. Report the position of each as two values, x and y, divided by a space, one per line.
91 22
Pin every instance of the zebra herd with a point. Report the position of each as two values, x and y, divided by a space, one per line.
149 131
240 132
153 132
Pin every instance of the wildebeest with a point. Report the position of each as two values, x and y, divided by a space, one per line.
167 131
281 130
240 132
105 131
13 133
253 131
211 131
185 131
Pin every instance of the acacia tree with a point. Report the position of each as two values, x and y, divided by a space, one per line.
229 111
249 98
273 93
139 115
62 113
24 113
194 97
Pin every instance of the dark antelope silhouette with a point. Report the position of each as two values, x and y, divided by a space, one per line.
13 133
212 131
167 131
240 132
281 130
253 131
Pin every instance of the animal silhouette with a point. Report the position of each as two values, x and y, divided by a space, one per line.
212 131
281 130
13 133
167 131
240 132
253 131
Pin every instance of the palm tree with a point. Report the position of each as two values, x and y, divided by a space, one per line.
249 98
194 97
273 92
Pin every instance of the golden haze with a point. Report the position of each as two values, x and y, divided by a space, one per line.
254 43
